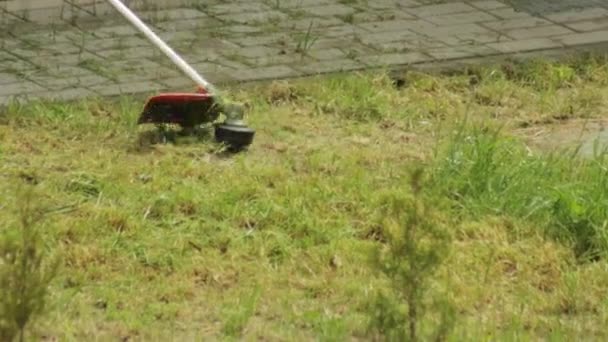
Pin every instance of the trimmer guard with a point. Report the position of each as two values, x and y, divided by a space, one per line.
184 109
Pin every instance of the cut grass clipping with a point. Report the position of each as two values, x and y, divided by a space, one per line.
318 231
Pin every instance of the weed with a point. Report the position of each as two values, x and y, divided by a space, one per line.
306 41
417 244
25 271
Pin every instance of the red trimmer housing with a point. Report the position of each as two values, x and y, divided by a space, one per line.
184 109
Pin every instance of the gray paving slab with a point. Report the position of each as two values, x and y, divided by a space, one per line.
322 67
589 25
69 94
391 59
515 46
100 54
263 73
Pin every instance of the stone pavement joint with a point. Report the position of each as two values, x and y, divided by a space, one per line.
89 50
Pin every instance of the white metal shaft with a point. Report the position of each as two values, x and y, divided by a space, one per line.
179 62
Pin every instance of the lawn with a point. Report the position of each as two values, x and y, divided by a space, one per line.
361 198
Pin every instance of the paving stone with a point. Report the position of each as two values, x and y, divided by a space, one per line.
57 83
242 29
414 44
537 32
177 83
578 15
137 52
383 4
27 51
65 94
254 17
525 45
330 10
386 37
189 24
273 38
327 54
172 14
127 88
589 25
20 89
7 43
323 43
303 24
509 24
271 72
40 15
16 64
50 62
408 3
474 38
398 25
279 60
194 56
508 13
154 75
215 71
455 30
460 52
341 31
114 43
583 38
49 35
541 7
488 4
282 4
133 65
60 48
338 65
441 9
175 36
394 59
6 78
237 8
461 18
115 31
372 16
253 52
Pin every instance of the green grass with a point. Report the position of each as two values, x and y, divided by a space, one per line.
180 241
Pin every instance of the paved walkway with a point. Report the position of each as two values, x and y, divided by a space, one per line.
268 39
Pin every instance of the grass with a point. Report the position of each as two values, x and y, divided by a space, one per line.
180 241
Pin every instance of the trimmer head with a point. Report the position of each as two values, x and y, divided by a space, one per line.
236 137
184 109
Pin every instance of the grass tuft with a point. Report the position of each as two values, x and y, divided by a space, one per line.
487 173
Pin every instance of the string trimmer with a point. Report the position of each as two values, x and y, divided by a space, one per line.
189 110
